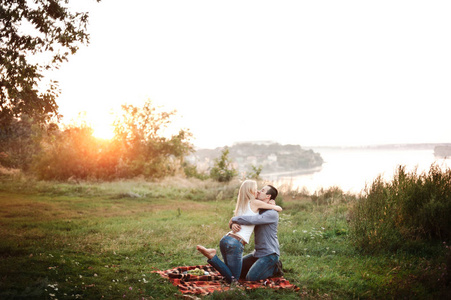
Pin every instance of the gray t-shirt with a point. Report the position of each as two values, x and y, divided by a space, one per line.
265 232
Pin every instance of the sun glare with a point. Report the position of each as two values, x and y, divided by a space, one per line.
101 123
103 131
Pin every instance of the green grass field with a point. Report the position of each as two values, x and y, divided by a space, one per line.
103 240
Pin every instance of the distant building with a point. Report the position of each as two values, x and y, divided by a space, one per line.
272 157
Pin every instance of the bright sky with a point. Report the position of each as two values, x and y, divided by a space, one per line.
300 72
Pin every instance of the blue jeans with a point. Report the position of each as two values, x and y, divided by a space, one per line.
255 268
232 253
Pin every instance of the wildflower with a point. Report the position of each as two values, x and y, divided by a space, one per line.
294 231
333 252
130 288
304 231
308 256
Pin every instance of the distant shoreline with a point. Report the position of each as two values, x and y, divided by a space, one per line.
293 172
402 146
420 146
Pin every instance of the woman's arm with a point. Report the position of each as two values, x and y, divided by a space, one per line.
262 205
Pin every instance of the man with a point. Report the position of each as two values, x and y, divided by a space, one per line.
262 263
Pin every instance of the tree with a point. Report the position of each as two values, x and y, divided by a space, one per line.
223 170
35 36
19 142
255 172
144 149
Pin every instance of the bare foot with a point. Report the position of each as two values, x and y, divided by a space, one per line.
208 253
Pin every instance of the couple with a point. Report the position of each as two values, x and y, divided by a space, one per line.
255 211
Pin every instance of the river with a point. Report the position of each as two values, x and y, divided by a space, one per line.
352 168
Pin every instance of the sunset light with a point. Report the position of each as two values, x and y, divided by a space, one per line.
186 149
101 122
103 131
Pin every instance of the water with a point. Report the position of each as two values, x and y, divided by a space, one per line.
351 168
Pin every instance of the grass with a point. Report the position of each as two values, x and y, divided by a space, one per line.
103 240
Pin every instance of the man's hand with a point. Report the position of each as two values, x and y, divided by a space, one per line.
272 202
236 227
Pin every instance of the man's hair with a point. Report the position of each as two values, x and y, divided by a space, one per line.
272 191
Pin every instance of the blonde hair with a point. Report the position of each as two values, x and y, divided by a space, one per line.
246 193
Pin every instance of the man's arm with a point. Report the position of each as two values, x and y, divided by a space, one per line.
267 217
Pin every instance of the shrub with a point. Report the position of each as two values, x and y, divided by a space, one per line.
223 170
412 207
255 171
138 149
75 153
192 172
331 195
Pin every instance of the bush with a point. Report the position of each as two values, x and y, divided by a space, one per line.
255 171
138 149
331 195
75 153
223 170
411 207
192 172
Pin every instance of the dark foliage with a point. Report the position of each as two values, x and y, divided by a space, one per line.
35 36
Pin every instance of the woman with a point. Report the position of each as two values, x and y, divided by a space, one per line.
232 244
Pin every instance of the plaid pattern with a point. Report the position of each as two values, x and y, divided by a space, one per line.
207 284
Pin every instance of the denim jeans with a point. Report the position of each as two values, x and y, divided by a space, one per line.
258 268
232 253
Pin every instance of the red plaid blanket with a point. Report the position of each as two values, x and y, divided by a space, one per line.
206 284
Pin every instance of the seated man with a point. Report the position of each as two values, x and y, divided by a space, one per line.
262 263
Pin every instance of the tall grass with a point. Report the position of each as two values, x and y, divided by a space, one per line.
403 212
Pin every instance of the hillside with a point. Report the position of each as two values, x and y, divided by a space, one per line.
272 157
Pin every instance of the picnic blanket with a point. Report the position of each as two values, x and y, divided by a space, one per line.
214 281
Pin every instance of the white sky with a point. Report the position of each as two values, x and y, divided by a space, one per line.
300 72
